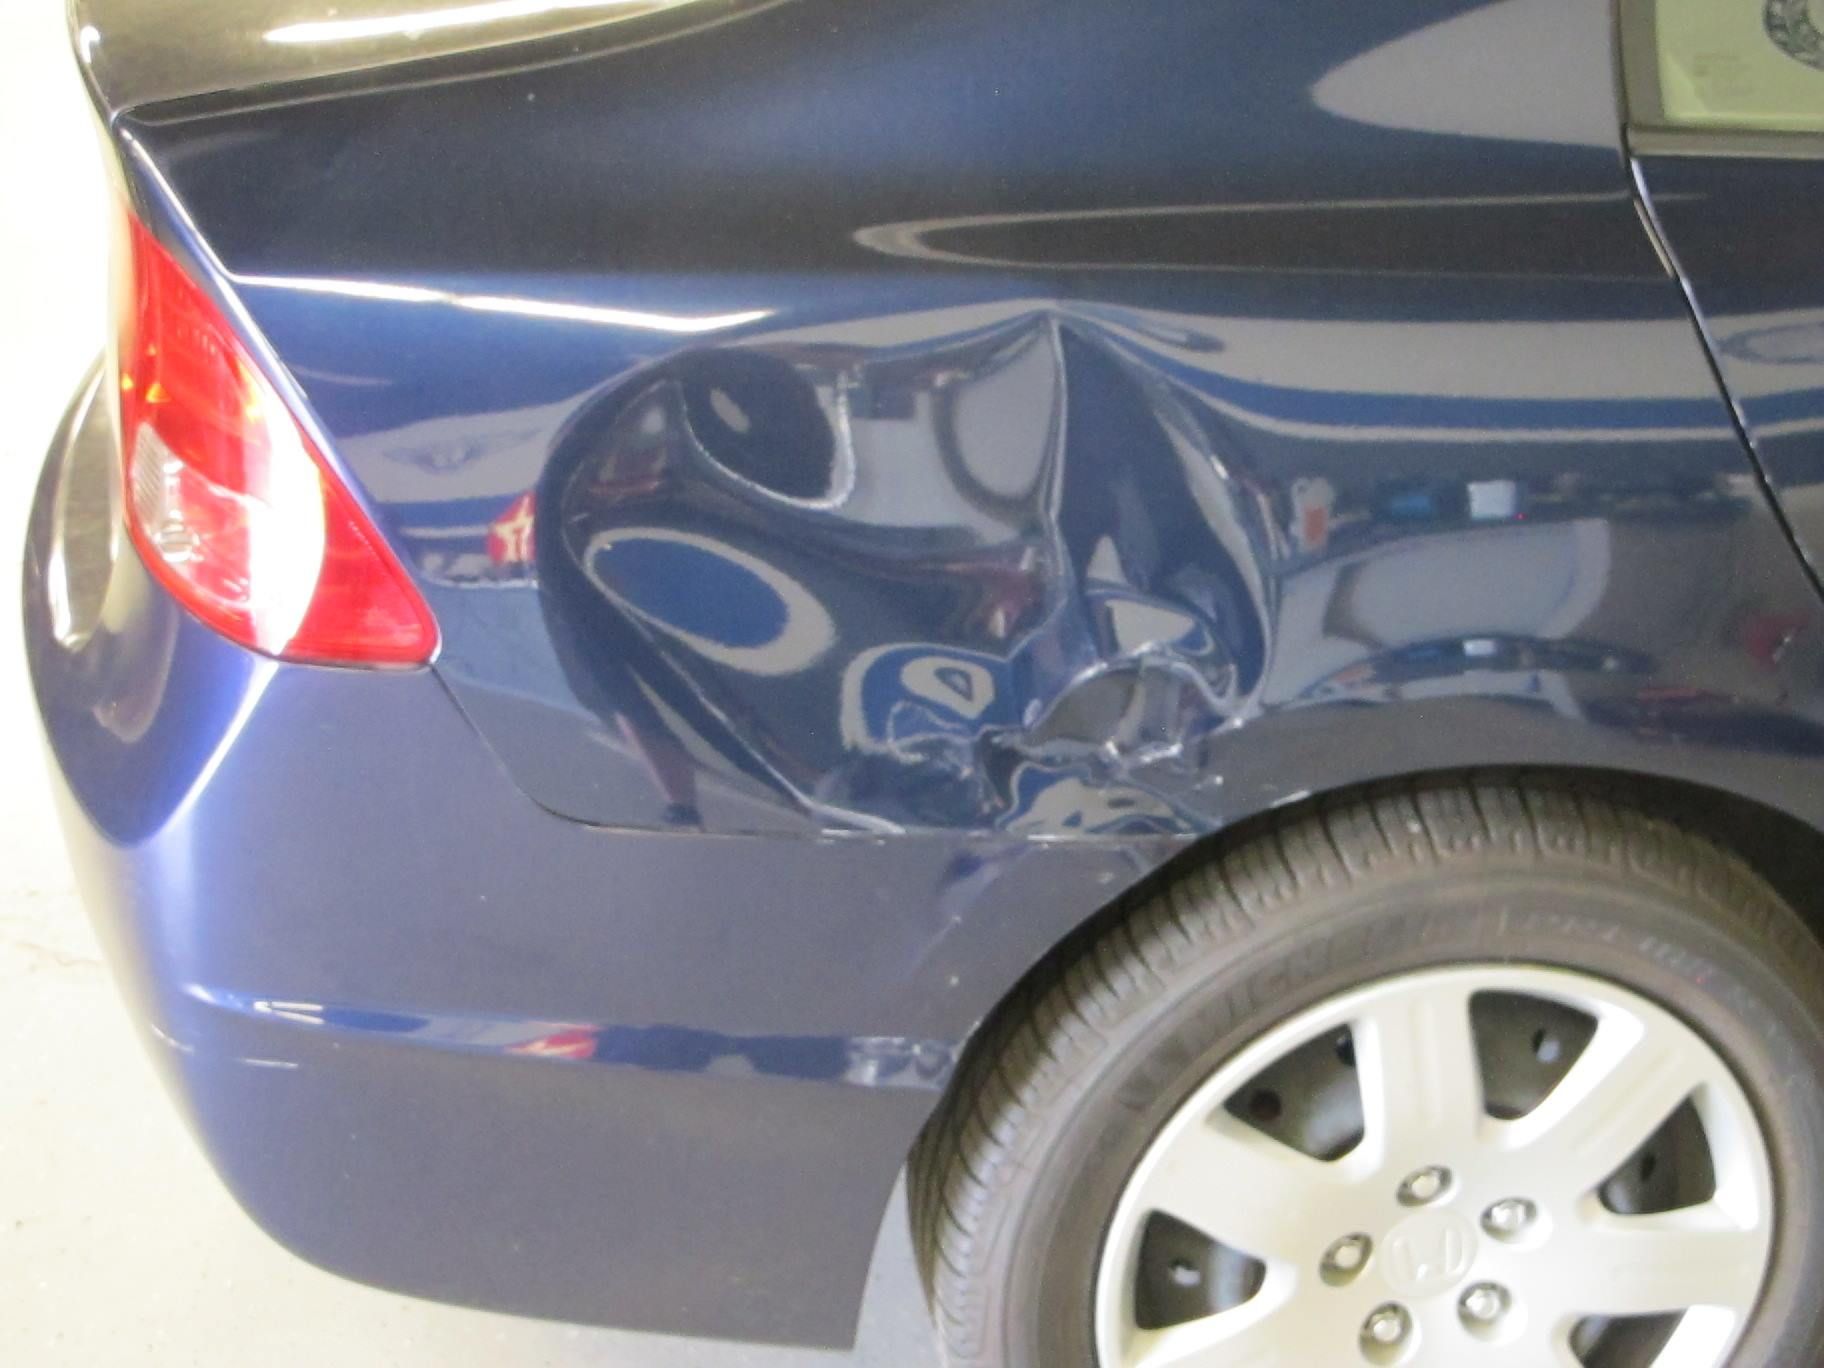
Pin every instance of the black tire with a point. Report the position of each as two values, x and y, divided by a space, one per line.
1015 1179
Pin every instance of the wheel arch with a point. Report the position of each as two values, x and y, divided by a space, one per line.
1780 846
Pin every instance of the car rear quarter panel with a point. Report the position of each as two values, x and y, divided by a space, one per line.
1082 439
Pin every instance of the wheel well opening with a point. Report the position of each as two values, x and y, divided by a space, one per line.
1784 850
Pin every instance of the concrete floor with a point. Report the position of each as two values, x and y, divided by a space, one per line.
117 1245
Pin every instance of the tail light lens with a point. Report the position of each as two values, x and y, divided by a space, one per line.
230 504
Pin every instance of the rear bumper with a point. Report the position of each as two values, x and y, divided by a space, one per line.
438 1039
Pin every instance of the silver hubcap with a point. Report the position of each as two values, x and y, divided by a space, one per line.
1449 1233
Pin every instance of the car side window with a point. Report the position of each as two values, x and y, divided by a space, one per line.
1726 66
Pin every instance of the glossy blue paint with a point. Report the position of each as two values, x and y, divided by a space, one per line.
885 488
1055 451
869 1062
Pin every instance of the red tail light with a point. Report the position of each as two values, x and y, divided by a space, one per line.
230 503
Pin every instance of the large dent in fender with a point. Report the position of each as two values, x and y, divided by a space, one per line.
1074 604
1047 568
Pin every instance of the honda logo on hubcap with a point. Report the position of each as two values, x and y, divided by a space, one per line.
1428 1253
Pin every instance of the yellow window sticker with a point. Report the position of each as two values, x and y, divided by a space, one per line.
1743 64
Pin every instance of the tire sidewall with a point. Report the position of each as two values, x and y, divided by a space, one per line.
1044 1251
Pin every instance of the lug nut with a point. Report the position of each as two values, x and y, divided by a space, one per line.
1387 1324
1425 1186
1484 1304
1345 1258
1509 1217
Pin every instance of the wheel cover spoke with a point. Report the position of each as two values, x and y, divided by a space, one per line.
1648 1265
1241 1187
1416 1061
1546 1345
1265 1333
1631 1077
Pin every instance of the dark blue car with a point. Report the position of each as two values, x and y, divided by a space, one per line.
1195 622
